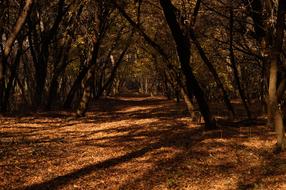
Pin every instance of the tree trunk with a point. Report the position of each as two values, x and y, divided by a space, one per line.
213 72
234 65
62 64
86 85
188 102
13 76
275 115
41 66
75 87
8 46
183 50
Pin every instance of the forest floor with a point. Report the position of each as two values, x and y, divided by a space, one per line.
135 143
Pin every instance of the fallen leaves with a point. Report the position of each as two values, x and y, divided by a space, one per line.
134 143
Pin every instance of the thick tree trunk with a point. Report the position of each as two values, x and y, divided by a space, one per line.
183 50
275 115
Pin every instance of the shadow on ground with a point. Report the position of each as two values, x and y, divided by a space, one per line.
135 143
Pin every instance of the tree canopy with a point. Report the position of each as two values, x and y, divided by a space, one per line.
69 53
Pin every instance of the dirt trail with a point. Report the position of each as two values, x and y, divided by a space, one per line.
134 143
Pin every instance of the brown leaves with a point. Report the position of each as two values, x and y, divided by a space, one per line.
134 143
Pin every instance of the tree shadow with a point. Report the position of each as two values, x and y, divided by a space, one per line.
165 141
65 179
165 129
270 174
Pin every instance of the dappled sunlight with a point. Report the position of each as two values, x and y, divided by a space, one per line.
51 147
127 95
132 109
141 145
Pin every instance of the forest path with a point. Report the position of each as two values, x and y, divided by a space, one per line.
134 143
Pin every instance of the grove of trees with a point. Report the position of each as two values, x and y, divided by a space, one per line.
68 53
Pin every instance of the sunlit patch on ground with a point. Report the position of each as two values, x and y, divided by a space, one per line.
134 143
